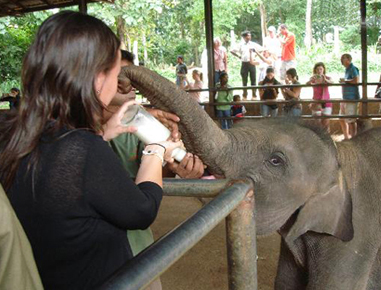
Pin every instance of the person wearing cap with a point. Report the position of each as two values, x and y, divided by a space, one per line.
288 50
242 51
272 43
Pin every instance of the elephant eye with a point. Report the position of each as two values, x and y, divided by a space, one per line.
276 160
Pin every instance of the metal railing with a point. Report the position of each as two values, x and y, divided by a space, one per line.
235 203
279 103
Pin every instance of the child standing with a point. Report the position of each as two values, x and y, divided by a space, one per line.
269 93
224 96
321 92
196 85
266 59
238 110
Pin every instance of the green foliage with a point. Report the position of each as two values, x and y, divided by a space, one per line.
351 35
16 35
174 27
6 86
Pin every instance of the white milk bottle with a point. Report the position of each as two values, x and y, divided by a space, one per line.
149 130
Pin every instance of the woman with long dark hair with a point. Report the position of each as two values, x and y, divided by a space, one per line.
69 190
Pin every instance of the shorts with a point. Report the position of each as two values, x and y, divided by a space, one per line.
285 66
348 109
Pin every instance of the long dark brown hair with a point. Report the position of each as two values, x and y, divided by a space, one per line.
58 75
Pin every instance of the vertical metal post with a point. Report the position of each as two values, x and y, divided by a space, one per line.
82 5
208 10
242 247
364 54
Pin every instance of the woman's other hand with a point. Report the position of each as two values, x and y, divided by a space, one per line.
114 127
169 147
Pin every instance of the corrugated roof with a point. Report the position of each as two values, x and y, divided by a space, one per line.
18 7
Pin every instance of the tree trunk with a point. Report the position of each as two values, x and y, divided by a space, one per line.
182 30
135 52
121 31
196 55
129 45
281 15
308 37
145 53
232 39
262 10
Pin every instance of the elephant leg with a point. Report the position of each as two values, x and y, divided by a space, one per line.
289 276
334 264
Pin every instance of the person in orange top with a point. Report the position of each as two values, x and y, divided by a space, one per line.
288 50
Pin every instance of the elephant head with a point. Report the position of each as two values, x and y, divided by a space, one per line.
294 167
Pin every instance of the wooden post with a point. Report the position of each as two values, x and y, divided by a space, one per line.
82 5
364 53
209 48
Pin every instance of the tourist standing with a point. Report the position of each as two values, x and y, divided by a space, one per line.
349 126
272 43
220 59
181 72
224 95
292 94
288 50
243 52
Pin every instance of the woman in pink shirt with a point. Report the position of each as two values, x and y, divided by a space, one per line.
196 85
321 93
220 59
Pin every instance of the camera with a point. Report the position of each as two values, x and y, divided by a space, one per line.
253 49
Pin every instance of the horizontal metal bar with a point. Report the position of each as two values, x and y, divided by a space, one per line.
280 102
194 187
277 86
305 117
149 264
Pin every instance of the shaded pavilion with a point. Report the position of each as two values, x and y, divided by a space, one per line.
19 7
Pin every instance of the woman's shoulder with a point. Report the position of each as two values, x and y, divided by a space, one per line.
80 139
198 85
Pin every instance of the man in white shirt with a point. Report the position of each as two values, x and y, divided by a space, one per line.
242 51
272 43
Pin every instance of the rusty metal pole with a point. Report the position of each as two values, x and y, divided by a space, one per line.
364 53
208 12
242 247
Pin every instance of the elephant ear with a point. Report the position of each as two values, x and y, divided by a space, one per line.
326 213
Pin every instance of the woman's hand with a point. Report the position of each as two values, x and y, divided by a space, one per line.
170 146
114 127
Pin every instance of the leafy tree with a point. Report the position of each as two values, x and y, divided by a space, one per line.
16 34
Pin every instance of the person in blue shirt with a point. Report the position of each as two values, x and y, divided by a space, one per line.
349 126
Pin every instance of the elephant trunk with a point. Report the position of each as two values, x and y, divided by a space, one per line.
199 132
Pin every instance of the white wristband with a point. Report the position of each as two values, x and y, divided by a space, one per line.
155 153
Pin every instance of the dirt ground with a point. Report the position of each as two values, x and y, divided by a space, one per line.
204 267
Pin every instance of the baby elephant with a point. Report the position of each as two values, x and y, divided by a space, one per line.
324 198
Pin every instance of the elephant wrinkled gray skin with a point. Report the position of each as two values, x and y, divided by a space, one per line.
323 198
